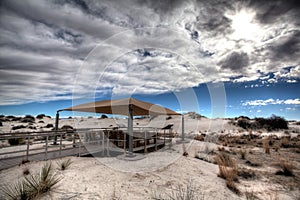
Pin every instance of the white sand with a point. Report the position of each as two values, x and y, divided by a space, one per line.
159 173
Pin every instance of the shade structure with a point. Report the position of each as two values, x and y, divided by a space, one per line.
121 107
129 107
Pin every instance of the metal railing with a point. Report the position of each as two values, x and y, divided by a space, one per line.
25 145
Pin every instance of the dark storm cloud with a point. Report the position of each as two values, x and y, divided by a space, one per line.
287 48
270 11
235 61
211 16
44 43
162 7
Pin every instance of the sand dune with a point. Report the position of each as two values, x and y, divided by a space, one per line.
163 173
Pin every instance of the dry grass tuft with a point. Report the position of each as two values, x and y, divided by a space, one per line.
189 192
228 171
243 153
285 142
266 146
232 186
287 168
250 196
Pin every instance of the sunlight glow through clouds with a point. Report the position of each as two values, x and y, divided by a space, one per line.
244 26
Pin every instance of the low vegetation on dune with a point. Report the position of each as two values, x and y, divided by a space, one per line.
272 123
40 116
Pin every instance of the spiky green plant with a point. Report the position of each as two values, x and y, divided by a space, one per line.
42 182
15 191
65 164
32 185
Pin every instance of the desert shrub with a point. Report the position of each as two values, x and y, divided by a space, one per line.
10 117
244 123
194 115
199 137
33 185
28 119
227 166
32 127
285 142
272 123
16 141
64 164
242 117
266 146
277 122
287 168
169 117
104 116
1 123
18 127
41 121
67 127
243 153
40 116
49 126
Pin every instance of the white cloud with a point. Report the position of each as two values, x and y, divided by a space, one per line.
44 43
270 102
290 109
292 101
292 81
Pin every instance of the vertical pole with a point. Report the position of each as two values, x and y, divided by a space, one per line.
182 127
145 141
60 144
74 139
107 144
124 141
27 151
103 145
155 141
164 136
56 127
130 129
46 148
79 147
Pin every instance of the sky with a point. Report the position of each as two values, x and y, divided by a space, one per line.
220 58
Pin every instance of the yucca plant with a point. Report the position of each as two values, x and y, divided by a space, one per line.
15 191
65 164
32 185
42 182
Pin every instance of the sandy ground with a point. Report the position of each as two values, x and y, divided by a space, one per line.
165 172
88 178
